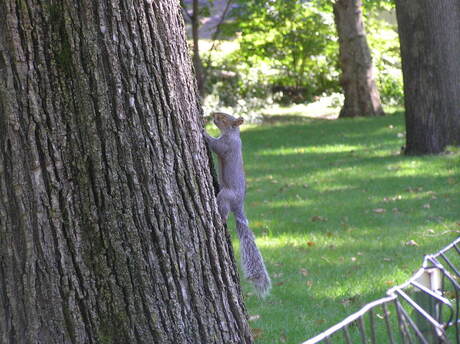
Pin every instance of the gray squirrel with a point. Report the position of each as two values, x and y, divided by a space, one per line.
232 193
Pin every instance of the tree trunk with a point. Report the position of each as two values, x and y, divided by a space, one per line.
197 63
361 95
429 34
109 230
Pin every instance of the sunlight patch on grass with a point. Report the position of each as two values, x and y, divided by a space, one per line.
340 148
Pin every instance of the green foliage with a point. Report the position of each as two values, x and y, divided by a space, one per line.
333 204
235 86
287 52
384 43
293 41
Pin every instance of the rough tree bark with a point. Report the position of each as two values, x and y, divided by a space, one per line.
361 95
429 34
109 230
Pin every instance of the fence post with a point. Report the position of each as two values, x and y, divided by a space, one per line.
430 279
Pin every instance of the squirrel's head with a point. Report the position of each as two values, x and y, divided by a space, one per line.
225 121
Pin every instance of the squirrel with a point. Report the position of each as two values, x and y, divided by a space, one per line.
232 194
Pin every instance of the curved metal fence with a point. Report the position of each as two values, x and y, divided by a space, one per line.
424 310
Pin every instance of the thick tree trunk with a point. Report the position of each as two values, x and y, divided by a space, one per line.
429 33
109 230
361 95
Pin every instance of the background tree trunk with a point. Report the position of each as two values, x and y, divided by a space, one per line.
109 230
197 63
429 33
361 95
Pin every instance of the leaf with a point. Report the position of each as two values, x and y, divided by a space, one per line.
349 300
279 284
304 272
310 243
254 317
411 243
309 283
257 333
379 210
318 218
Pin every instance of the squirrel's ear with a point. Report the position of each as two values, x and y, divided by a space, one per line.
237 122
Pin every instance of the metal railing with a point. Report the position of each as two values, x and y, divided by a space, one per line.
424 310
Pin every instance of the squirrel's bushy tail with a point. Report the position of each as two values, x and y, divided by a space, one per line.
251 259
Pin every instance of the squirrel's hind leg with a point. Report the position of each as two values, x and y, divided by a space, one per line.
224 198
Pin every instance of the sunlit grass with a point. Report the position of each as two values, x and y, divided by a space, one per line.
333 204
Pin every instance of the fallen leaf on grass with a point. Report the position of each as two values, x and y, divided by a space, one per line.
387 259
392 199
390 283
451 181
318 218
349 300
304 272
254 317
279 284
309 283
411 243
310 243
319 321
450 294
379 210
257 333
382 316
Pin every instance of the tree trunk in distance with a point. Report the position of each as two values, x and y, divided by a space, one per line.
109 229
361 95
197 63
429 33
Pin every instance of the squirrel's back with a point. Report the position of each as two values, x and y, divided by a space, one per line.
231 163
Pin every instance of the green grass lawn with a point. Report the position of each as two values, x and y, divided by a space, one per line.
333 204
